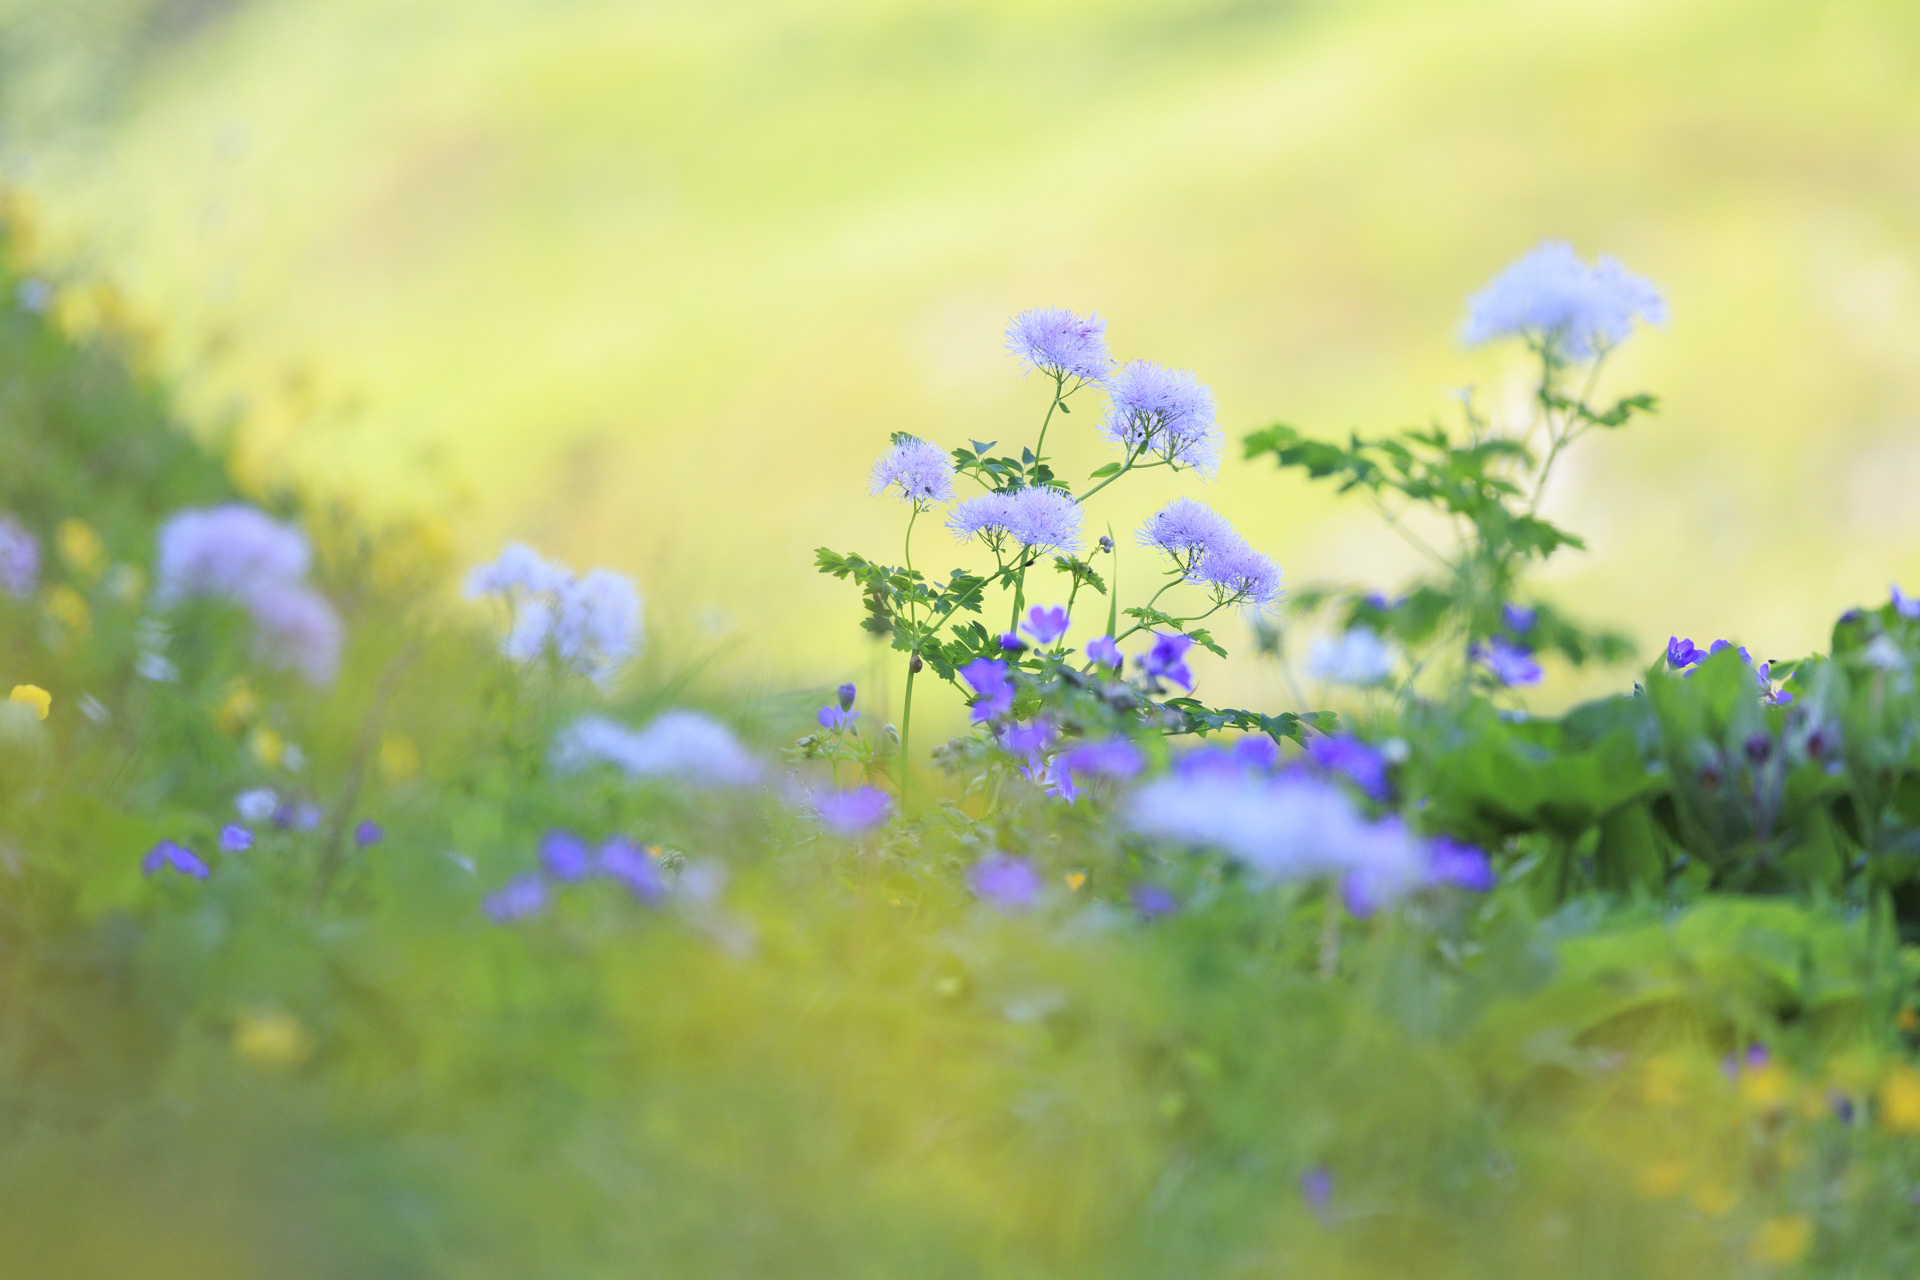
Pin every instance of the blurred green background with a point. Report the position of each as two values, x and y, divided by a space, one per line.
649 283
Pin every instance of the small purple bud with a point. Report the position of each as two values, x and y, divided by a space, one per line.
368 834
1105 544
845 693
1152 901
1012 643
1316 1189
235 838
517 899
1105 652
1759 747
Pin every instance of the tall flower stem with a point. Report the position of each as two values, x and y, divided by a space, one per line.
1059 383
906 710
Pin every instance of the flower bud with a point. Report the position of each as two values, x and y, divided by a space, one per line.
846 692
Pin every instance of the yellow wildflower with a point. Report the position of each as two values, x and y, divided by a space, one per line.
271 1040
399 758
1900 1100
268 747
1663 1177
1782 1242
238 708
68 610
1075 879
81 548
1764 1088
32 695
1715 1199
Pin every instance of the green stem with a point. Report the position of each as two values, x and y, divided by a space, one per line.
906 738
1132 457
1039 445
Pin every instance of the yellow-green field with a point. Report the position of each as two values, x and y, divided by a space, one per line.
649 283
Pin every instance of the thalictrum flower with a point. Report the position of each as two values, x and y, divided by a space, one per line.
992 688
1167 660
1045 625
1508 663
682 745
235 838
168 856
852 812
565 855
1006 882
1044 519
1551 297
518 899
227 552
1239 575
1187 530
1105 652
921 471
1060 344
1163 413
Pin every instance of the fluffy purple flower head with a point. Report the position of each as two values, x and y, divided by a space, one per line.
596 625
235 838
986 516
1060 344
519 570
1163 413
368 834
19 559
1508 663
681 745
1045 625
1105 652
621 860
1354 760
921 470
168 856
853 812
1240 575
1152 901
228 553
519 898
1188 531
1550 296
992 687
1045 519
565 855
1006 882
295 627
1167 660
844 695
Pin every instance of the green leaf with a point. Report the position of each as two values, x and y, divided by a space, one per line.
1111 469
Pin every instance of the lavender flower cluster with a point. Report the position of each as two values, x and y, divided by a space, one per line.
590 623
1552 298
239 554
680 746
1207 552
19 559
566 859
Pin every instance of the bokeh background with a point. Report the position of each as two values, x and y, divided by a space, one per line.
648 283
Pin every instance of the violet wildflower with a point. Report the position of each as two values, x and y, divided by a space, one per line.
1519 618
1239 575
1552 298
1316 1191
1060 344
992 688
1354 760
1257 753
305 817
1105 652
256 805
368 834
227 552
565 855
168 856
1044 519
621 860
1152 901
1508 663
1358 657
1054 776
1718 645
1006 882
1167 660
920 470
682 745
1166 413
1905 605
1682 654
1452 863
519 569
597 626
1187 530
986 516
235 838
1105 758
1010 642
19 559
296 627
1027 739
835 717
853 812
844 695
519 898
1045 625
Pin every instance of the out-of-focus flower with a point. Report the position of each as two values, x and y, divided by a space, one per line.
32 697
237 707
1045 625
168 856
992 687
835 717
1781 1242
297 628
592 623
1551 297
368 834
399 757
1105 652
844 695
1152 901
852 812
1508 663
1026 739
1905 605
518 899
1004 881
1316 1190
1104 758
256 805
33 296
81 548
1060 344
227 552
235 838
1165 413
1357 657
684 745
19 559
625 862
518 569
1461 865
922 472
565 855
1519 618
69 613
1899 1100
1167 660
1354 760
272 1040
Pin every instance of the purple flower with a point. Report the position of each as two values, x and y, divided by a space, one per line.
1054 776
597 624
168 856
518 899
235 838
1718 645
1550 296
1167 660
1026 739
1519 618
565 855
1152 901
519 570
1010 642
922 471
19 559
1187 530
1354 760
992 687
368 834
1682 654
1060 344
844 695
1357 657
296 627
986 516
850 813
1260 753
1006 882
1165 413
836 717
682 745
256 805
227 552
622 860
1105 758
1240 575
1044 519
1316 1191
1105 652
1460 865
1905 605
1508 663
1045 625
